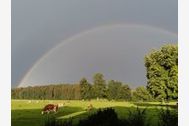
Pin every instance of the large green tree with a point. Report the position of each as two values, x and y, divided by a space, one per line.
113 89
124 92
99 87
141 94
85 89
162 72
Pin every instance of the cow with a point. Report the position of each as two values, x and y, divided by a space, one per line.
89 107
49 108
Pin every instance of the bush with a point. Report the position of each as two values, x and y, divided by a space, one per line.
106 117
136 118
168 117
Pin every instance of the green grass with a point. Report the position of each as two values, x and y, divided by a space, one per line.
28 112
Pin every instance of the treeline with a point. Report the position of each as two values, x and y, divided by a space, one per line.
162 83
100 89
61 91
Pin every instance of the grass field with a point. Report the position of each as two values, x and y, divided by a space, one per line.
28 112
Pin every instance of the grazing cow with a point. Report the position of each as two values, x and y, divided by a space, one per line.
49 108
89 107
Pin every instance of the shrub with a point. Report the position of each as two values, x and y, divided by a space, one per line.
106 117
136 118
168 117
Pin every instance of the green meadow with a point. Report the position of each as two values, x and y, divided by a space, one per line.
28 112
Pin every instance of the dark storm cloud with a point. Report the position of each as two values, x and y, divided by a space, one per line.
38 25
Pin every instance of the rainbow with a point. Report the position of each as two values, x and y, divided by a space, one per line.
109 26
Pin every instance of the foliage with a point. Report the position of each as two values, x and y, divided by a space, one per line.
61 91
116 91
113 89
141 94
137 118
162 72
106 117
124 93
86 89
99 86
168 117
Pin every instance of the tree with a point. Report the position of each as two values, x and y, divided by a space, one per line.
113 89
162 72
85 89
124 92
141 94
99 87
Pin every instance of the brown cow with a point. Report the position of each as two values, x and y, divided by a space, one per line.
49 108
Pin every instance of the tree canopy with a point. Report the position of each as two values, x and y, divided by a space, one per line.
85 89
162 72
141 94
99 86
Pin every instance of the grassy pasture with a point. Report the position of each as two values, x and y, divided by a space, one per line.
28 112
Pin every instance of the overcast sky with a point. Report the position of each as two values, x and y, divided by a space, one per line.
39 25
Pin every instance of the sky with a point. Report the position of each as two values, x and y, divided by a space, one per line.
41 27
